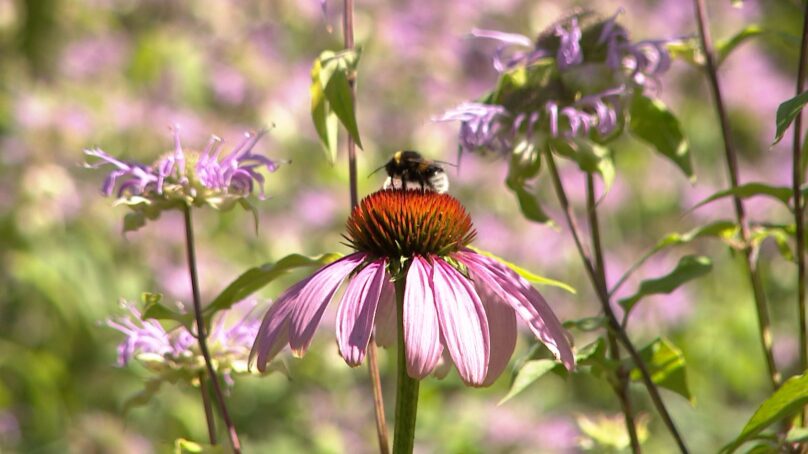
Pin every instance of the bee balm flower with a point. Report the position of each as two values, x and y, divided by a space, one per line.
458 304
186 176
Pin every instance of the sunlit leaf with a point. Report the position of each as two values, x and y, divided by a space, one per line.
652 122
586 324
725 47
788 400
787 112
256 278
183 446
589 156
715 229
153 308
341 101
687 49
527 374
528 275
780 236
666 364
744 191
689 267
528 202
325 121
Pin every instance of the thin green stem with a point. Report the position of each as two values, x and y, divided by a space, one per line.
603 297
752 272
799 209
202 332
373 357
621 386
203 389
407 387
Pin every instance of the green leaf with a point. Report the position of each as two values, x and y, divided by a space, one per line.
154 309
325 121
787 401
586 324
250 207
797 435
528 203
594 356
725 47
715 229
591 157
528 275
256 278
780 236
183 446
529 373
133 221
666 364
143 396
687 49
652 122
744 191
340 98
689 267
787 112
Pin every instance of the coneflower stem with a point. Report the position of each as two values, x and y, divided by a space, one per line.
373 361
603 297
799 210
203 389
764 326
202 333
621 387
407 387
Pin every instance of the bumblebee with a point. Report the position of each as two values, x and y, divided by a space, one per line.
407 169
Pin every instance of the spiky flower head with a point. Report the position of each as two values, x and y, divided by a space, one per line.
459 306
573 81
185 177
173 354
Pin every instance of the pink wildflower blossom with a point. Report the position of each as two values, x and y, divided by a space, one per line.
459 305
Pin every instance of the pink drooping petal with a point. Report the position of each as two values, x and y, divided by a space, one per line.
502 331
386 326
524 299
357 311
462 321
312 298
421 328
273 334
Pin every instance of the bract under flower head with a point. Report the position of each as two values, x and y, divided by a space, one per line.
402 223
460 307
187 177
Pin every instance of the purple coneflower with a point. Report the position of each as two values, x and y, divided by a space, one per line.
177 350
190 176
458 305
